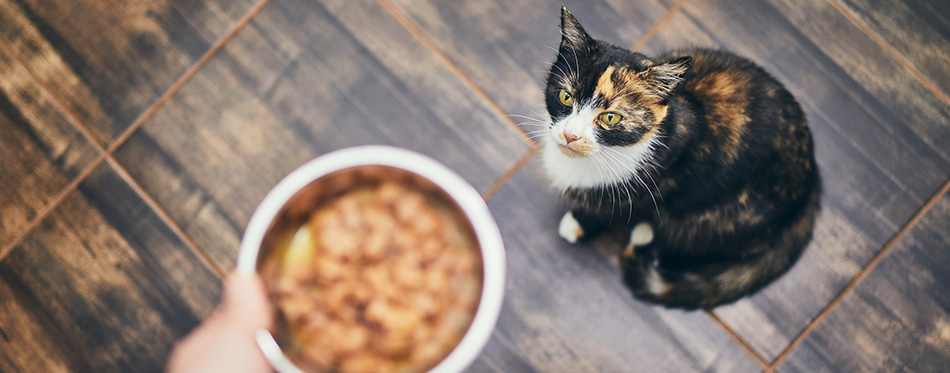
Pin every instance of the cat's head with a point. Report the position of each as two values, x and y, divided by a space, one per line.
599 95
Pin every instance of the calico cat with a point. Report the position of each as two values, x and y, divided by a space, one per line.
709 155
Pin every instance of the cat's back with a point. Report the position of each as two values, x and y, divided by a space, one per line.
738 102
721 80
744 125
718 76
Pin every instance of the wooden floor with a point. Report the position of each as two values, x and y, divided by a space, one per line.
137 138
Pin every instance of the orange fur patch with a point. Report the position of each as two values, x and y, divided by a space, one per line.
726 95
605 84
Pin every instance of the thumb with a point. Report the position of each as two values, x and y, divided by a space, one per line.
245 303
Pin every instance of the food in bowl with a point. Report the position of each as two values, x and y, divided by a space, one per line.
383 276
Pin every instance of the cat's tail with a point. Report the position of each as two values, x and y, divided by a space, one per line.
710 284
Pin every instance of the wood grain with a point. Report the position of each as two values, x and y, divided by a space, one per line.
100 285
506 47
898 318
304 79
877 153
566 309
40 151
110 61
918 30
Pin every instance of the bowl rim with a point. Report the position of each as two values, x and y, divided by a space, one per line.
468 199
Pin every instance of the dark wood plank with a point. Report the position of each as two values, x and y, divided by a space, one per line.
101 285
875 129
40 151
566 309
918 29
891 85
506 46
898 318
111 61
302 79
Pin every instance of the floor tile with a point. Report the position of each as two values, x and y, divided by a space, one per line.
566 309
877 143
303 79
918 29
101 285
507 47
898 318
40 151
111 61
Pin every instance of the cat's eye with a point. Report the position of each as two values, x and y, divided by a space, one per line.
610 118
565 97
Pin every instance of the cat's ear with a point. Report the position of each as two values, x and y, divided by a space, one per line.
664 78
573 36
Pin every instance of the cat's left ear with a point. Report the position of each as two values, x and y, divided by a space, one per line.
664 78
573 36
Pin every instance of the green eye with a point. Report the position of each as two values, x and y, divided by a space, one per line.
610 118
566 98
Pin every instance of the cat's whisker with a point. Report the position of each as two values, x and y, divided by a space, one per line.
615 193
542 116
658 141
617 167
561 55
624 183
565 76
536 135
533 124
574 71
634 168
577 63
613 198
529 119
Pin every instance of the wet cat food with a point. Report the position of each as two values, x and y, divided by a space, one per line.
381 278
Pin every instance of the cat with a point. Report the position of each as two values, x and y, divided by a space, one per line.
706 156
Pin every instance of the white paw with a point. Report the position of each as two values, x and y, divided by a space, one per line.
641 235
655 283
569 229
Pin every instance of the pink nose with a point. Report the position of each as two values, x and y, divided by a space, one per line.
569 137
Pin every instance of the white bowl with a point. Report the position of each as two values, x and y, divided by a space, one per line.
309 182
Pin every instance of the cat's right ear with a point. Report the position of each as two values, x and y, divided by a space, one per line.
663 79
573 36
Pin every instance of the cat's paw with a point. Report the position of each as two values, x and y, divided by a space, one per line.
640 236
642 273
569 229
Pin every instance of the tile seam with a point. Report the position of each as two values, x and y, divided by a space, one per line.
732 333
428 43
52 205
105 154
660 23
60 104
862 274
655 29
890 50
186 77
166 218
510 172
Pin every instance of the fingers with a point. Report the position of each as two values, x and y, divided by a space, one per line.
245 303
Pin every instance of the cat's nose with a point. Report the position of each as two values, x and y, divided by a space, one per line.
569 137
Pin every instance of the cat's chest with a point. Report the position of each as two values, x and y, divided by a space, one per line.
607 166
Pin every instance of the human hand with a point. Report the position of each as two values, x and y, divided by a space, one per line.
225 341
